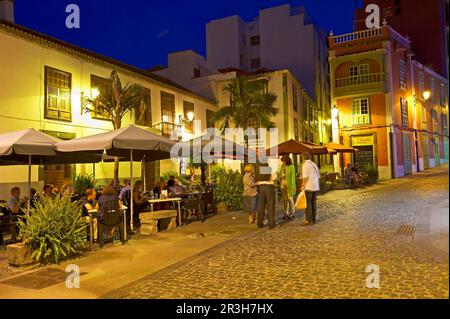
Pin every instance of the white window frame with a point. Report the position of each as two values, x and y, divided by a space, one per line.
402 74
360 116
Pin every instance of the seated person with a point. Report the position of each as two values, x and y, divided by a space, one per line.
348 174
14 202
171 189
108 199
140 202
66 188
178 187
88 200
125 188
159 186
46 193
356 177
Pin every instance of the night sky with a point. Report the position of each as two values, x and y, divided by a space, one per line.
142 32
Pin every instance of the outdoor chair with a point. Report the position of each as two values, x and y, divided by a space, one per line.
192 207
126 199
110 217
7 226
208 203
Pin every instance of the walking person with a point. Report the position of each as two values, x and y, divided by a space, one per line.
250 193
266 193
310 185
288 187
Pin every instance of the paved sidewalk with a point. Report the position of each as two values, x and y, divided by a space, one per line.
162 258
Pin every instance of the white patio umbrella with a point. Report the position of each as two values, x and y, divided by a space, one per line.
31 147
131 143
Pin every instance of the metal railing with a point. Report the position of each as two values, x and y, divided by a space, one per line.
359 79
369 33
167 128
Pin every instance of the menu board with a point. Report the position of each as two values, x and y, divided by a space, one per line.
365 156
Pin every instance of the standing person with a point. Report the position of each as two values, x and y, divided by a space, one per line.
250 192
266 193
310 185
288 186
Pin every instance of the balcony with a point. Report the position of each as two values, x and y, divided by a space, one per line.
365 40
369 33
363 83
166 128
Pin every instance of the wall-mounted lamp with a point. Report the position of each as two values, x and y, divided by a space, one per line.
95 93
190 116
334 112
426 95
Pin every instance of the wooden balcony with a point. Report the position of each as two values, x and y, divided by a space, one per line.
363 83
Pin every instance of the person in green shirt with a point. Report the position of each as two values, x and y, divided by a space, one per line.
288 186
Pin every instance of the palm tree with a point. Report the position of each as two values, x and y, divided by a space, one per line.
249 100
114 102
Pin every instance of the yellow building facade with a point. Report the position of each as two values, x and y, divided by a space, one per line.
42 83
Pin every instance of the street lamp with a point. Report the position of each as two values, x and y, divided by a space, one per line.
426 95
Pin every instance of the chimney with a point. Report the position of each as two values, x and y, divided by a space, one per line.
7 10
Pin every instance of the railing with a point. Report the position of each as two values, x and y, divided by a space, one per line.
167 128
369 33
359 79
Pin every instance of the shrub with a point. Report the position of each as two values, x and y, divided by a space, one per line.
54 230
372 174
229 188
324 186
178 176
81 182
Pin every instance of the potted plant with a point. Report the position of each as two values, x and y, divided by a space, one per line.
82 182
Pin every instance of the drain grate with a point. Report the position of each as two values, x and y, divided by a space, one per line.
407 230
39 279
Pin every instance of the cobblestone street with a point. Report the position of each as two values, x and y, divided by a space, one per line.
328 260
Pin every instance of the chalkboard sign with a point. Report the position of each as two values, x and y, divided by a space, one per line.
365 156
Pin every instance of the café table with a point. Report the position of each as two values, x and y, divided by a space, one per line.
174 200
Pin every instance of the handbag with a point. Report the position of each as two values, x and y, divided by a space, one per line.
301 201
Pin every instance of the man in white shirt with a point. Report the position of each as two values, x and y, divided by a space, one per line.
311 176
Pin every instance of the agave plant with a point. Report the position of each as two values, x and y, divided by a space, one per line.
54 230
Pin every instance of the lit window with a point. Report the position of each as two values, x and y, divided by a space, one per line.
360 111
421 83
144 116
104 87
294 98
433 90
424 114
443 94
404 109
444 124
363 69
58 90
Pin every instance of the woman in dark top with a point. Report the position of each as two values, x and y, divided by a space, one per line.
140 202
108 195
